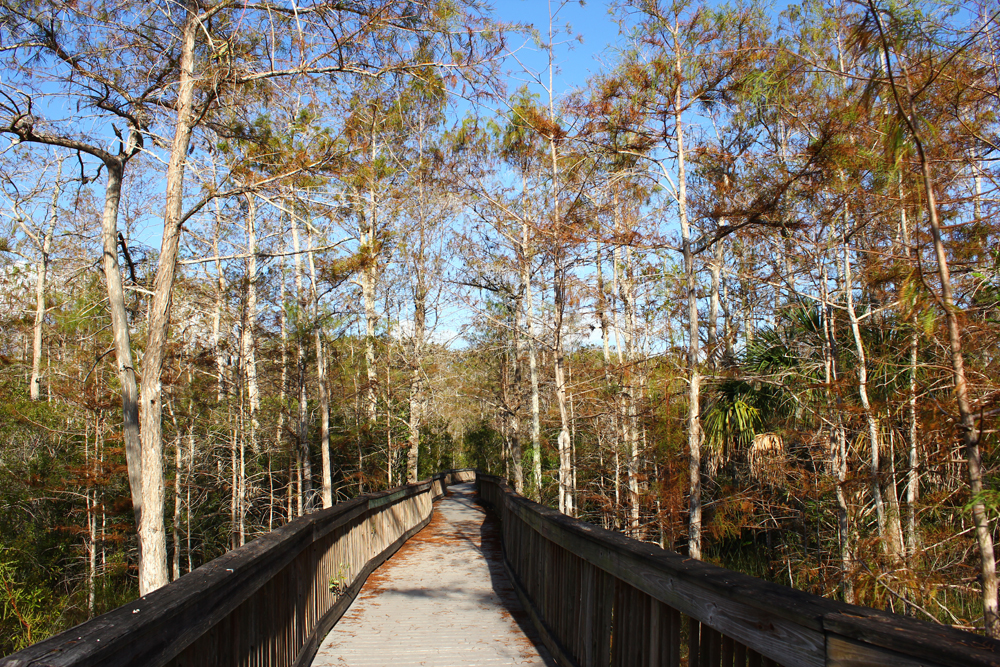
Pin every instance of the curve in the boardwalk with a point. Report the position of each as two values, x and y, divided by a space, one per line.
442 601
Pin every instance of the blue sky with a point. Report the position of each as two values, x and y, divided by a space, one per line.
575 60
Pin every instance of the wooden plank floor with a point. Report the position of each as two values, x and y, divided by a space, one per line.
443 600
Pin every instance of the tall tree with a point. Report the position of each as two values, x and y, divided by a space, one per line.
40 234
673 69
207 42
909 76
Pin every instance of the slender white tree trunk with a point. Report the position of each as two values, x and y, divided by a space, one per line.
91 544
220 296
42 270
602 316
714 351
515 394
970 433
369 277
623 338
694 373
234 488
305 500
838 447
175 532
243 494
566 500
416 398
153 563
122 341
891 540
283 388
250 323
629 407
187 502
529 317
41 276
913 471
248 357
324 395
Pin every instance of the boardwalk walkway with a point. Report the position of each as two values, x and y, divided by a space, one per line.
442 600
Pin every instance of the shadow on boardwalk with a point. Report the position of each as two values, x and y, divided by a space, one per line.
443 599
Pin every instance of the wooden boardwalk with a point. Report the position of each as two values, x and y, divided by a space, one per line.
443 600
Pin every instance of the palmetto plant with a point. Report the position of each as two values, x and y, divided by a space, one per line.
731 420
778 372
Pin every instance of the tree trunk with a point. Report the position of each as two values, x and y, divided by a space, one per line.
564 442
44 249
248 358
123 344
970 434
714 353
302 425
283 387
625 277
623 338
888 527
517 367
529 316
516 454
838 446
390 449
694 374
187 503
369 276
416 398
249 339
42 270
572 439
602 316
153 562
243 495
324 394
913 472
234 489
220 296
175 529
91 543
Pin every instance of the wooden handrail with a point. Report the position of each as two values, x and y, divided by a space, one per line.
600 598
269 602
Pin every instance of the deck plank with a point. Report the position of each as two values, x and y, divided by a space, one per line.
442 600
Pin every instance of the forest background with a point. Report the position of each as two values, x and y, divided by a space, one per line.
736 293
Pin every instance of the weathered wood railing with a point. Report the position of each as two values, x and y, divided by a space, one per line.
600 598
268 603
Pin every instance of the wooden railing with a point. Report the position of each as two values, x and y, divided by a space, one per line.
600 598
268 603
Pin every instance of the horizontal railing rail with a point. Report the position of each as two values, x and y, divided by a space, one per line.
600 598
267 603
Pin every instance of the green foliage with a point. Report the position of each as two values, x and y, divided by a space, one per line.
437 449
483 448
990 498
340 581
44 479
732 417
28 612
